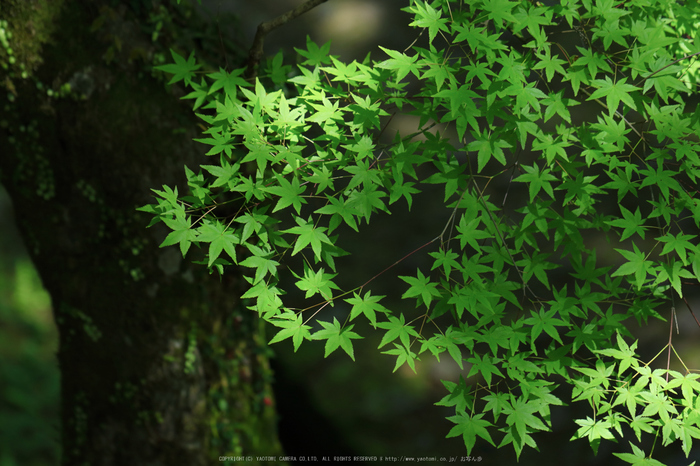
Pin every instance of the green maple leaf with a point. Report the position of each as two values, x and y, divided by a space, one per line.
637 265
182 69
499 11
469 427
363 146
612 134
402 63
514 70
221 142
402 189
367 305
550 64
521 414
286 117
221 239
614 93
537 266
622 181
292 326
317 283
445 258
593 61
595 430
526 95
537 180
470 233
690 386
340 212
551 146
612 32
609 9
289 193
224 173
428 17
261 262
315 55
321 177
363 174
420 286
486 366
229 82
525 125
255 222
199 94
673 272
228 111
638 457
480 70
678 243
308 234
403 355
449 343
459 396
545 321
577 76
588 272
625 355
496 403
308 79
367 201
261 98
170 195
182 233
267 299
459 98
396 328
629 396
488 145
436 71
558 105
366 112
532 19
661 178
336 337
664 77
632 223
474 36
696 265
327 112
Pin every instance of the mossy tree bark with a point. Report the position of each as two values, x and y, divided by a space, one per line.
160 362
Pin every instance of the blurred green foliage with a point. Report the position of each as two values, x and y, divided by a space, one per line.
29 376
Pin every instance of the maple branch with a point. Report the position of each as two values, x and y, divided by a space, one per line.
256 51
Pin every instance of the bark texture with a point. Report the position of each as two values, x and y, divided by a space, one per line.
160 362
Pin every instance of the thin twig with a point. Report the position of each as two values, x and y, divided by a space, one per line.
670 343
671 64
399 261
691 310
256 51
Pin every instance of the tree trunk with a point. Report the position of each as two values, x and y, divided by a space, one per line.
160 362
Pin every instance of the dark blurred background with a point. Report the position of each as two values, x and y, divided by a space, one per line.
326 406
